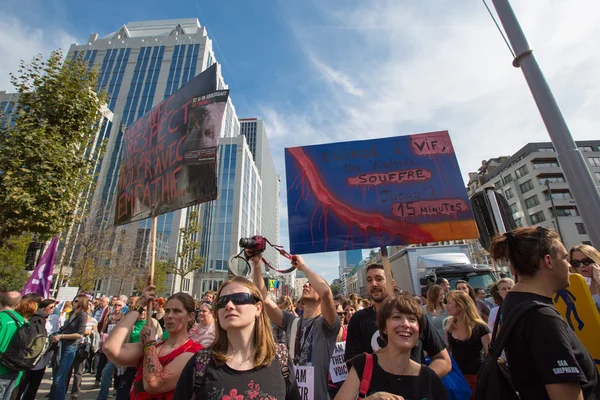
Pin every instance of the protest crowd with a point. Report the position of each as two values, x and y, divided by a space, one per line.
242 343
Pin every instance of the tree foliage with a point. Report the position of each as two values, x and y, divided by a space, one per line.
12 263
336 289
48 153
189 260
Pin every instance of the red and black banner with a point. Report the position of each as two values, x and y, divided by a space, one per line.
170 154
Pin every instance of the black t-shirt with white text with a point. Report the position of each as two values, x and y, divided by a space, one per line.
426 386
223 382
363 337
543 350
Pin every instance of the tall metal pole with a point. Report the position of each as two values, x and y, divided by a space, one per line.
562 239
571 160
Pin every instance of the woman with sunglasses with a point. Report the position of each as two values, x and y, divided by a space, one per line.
585 260
203 331
242 362
159 363
71 332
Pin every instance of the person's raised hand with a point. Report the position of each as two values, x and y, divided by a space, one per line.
384 396
298 262
147 295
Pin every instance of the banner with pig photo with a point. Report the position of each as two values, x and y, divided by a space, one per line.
373 193
170 154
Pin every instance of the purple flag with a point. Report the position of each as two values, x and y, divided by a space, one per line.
41 279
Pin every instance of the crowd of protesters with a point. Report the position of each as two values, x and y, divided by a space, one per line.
243 343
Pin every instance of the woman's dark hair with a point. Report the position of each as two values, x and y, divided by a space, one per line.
495 292
82 303
188 304
524 248
471 292
33 296
46 303
404 303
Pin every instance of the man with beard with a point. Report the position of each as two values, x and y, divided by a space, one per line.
363 335
311 338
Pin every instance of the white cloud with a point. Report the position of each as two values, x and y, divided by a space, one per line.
19 41
423 66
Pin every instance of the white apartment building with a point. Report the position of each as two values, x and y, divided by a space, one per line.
529 178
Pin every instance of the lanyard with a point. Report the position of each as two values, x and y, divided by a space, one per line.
306 334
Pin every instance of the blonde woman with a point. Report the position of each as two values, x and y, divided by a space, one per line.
435 308
467 334
585 260
242 361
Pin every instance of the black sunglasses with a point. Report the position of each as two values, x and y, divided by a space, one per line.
237 299
586 261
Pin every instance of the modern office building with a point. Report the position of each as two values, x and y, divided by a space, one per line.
236 213
8 106
530 179
349 259
253 129
141 64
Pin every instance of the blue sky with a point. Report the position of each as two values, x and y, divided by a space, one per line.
327 71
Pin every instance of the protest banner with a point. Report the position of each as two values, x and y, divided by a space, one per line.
67 293
169 154
337 366
577 307
305 378
374 193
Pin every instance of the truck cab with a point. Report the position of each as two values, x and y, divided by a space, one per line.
477 275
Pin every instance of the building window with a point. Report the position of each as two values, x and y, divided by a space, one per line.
186 285
521 172
585 148
537 217
594 161
507 178
526 187
580 228
551 179
587 242
545 164
513 208
519 222
508 194
532 201
566 212
566 195
498 184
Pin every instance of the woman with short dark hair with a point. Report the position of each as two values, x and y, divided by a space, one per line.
400 322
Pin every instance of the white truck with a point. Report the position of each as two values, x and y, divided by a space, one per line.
414 268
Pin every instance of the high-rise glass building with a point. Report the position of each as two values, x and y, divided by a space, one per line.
349 258
141 64
253 129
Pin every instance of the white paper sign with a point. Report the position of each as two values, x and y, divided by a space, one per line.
305 377
337 366
67 293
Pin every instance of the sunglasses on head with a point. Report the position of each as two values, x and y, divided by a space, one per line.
586 261
237 299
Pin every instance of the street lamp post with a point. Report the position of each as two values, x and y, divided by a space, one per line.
571 160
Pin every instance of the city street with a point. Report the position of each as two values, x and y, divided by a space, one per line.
87 393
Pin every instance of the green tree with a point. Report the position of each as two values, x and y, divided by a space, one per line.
47 154
12 263
336 289
160 277
189 261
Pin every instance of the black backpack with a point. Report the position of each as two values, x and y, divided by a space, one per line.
28 344
494 381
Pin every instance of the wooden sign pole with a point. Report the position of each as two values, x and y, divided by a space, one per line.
387 270
152 258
